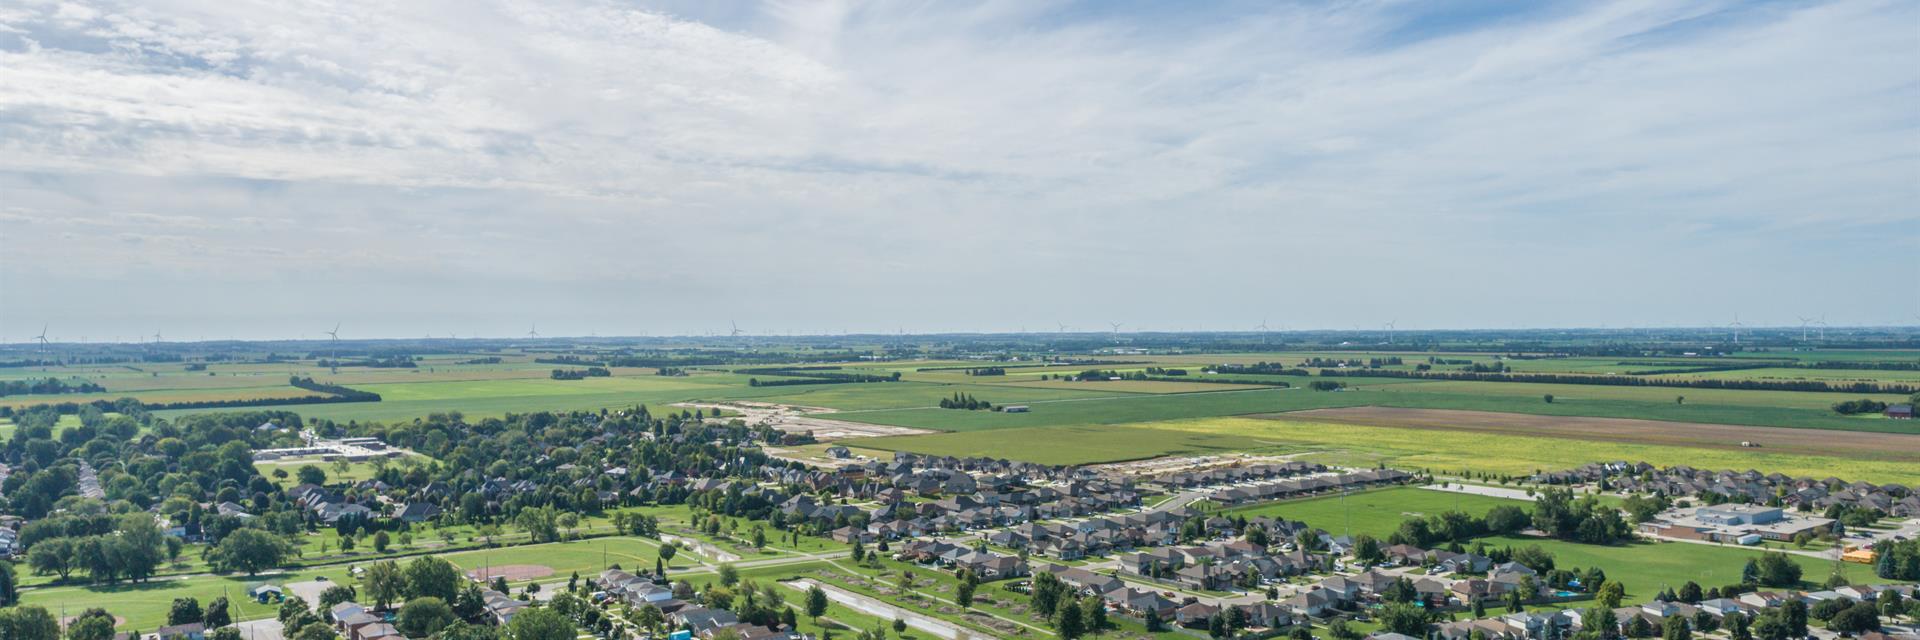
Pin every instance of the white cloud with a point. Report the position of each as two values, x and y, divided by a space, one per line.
1058 158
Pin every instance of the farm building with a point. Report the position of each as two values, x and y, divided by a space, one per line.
1899 412
1014 408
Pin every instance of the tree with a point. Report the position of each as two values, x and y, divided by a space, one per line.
9 586
219 613
421 617
380 541
1639 628
1855 619
292 611
1548 398
1154 623
539 624
52 556
28 622
251 551
431 577
336 594
1095 611
309 474
1610 594
384 583
185 611
816 602
963 593
1404 618
1777 570
1794 613
1690 592
899 625
1675 628
315 630
91 628
1068 622
729 575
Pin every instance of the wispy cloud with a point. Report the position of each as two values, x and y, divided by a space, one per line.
840 161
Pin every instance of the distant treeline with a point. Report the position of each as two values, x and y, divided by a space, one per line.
1160 371
1035 365
1263 383
1631 381
393 362
581 374
670 372
824 373
988 371
47 386
1862 405
355 395
486 360
1259 368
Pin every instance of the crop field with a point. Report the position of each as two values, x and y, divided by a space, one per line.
1378 512
1113 409
1134 386
1082 444
1884 447
912 395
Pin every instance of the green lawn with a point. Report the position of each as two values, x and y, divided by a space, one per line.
1646 568
1378 512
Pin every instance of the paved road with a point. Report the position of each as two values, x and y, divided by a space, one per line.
1482 490
882 610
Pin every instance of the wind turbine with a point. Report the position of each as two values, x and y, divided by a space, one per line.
735 332
1736 328
1263 330
533 331
333 339
1063 326
156 336
1803 327
42 338
1390 330
1116 330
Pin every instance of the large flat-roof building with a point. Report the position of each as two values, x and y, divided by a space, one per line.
1738 514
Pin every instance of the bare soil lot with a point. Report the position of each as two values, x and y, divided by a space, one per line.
1879 446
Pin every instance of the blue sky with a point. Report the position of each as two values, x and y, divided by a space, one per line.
265 169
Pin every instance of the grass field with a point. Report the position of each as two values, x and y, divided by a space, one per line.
1378 512
1646 568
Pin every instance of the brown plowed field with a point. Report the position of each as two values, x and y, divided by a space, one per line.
1850 444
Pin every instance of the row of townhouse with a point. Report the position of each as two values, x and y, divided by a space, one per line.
900 519
1219 565
1140 603
1296 487
1749 604
328 506
985 564
615 585
1337 593
1747 486
1233 475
